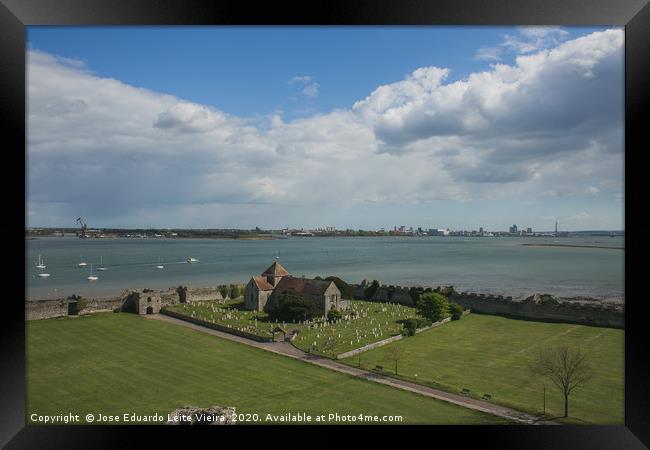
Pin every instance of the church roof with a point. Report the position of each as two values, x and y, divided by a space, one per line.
303 285
276 270
262 284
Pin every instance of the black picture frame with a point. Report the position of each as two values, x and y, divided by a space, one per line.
15 15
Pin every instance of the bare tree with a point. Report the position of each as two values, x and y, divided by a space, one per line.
396 353
565 366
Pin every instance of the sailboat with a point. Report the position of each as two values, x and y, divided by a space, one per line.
92 277
192 260
82 263
101 264
159 266
41 266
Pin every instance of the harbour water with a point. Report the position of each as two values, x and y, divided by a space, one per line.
482 264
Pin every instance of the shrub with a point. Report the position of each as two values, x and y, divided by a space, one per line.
421 323
334 314
456 311
548 299
410 325
224 291
433 306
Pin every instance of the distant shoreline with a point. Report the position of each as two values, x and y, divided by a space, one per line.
573 245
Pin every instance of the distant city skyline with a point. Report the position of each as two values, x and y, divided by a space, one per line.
361 128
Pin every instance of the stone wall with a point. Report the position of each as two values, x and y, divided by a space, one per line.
136 301
44 309
384 293
216 326
397 337
202 294
589 312
593 313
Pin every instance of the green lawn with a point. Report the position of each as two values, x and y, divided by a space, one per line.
115 363
489 354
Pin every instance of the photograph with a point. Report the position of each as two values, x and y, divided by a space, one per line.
325 225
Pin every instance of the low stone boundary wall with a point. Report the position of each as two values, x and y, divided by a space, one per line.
216 326
367 347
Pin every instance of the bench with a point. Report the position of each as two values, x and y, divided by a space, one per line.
486 397
465 391
379 368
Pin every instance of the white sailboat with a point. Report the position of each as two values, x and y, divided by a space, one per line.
82 263
92 277
159 266
192 260
41 266
101 264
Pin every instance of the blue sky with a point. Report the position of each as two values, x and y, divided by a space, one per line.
245 70
332 98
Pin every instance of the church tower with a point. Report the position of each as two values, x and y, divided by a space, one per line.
275 272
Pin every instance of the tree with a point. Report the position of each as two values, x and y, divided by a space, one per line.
293 306
224 291
433 306
456 311
370 290
234 291
396 353
565 366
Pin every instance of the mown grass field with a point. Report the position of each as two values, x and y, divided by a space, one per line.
116 363
373 322
490 354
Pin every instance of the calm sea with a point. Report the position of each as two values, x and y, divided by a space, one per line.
490 265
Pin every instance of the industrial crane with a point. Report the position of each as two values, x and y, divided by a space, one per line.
84 228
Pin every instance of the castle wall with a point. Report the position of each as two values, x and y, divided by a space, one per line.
588 314
202 294
135 301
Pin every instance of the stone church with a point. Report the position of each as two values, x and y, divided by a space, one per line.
266 289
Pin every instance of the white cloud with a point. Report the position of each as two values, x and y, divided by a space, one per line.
308 87
488 54
549 126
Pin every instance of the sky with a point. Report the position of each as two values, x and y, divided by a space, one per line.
353 127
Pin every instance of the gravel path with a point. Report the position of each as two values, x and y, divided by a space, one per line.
287 349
